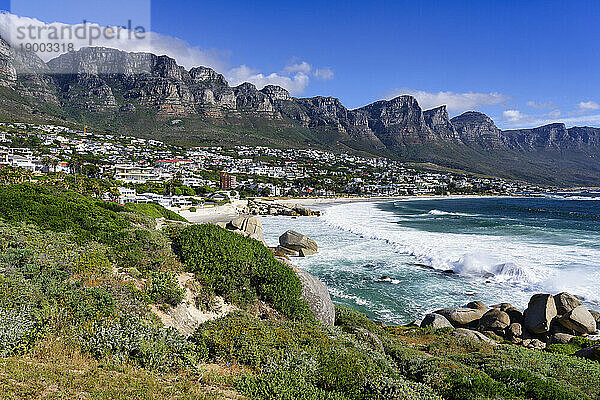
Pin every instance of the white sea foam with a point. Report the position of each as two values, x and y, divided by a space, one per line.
517 260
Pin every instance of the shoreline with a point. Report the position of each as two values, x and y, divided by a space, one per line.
227 212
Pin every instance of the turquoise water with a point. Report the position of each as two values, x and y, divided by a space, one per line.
447 252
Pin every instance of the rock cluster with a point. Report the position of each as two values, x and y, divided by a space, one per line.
548 319
270 208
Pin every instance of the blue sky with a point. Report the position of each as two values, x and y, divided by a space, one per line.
524 63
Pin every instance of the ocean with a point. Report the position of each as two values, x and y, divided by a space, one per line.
441 253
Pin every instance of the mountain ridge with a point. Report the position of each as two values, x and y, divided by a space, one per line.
144 93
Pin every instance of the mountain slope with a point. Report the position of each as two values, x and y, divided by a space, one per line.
151 96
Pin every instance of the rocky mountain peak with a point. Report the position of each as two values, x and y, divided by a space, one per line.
438 120
475 128
276 93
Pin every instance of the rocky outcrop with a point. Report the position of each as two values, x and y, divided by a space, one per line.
315 293
540 312
435 321
256 207
438 121
542 323
580 320
494 320
246 226
296 241
472 335
462 316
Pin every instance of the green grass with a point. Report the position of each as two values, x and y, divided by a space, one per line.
154 210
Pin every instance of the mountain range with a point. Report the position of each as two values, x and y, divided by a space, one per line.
152 96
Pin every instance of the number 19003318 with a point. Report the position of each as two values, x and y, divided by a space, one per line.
47 47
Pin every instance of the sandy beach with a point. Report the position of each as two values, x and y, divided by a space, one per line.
231 210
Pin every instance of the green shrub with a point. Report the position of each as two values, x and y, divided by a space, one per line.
525 384
240 269
316 361
130 339
348 318
154 210
163 287
61 210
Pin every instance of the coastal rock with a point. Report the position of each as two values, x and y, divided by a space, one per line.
565 302
436 321
591 353
473 335
477 305
494 320
580 320
540 312
535 344
596 316
560 338
247 226
287 251
299 242
315 293
515 315
461 316
514 332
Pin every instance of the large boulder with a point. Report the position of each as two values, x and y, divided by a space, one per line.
436 321
315 293
540 312
461 316
565 302
591 353
473 335
560 338
247 226
515 315
494 320
580 320
299 242
514 332
596 316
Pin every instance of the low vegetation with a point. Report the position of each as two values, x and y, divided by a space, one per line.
78 277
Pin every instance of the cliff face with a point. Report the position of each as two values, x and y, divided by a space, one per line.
478 130
120 88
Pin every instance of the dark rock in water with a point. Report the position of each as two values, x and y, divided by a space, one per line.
423 265
494 320
449 272
560 338
580 320
591 353
436 321
565 302
299 242
315 293
384 278
540 312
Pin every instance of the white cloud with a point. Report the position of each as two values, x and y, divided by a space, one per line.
541 105
295 83
324 74
514 115
588 105
455 102
518 119
294 77
303 67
